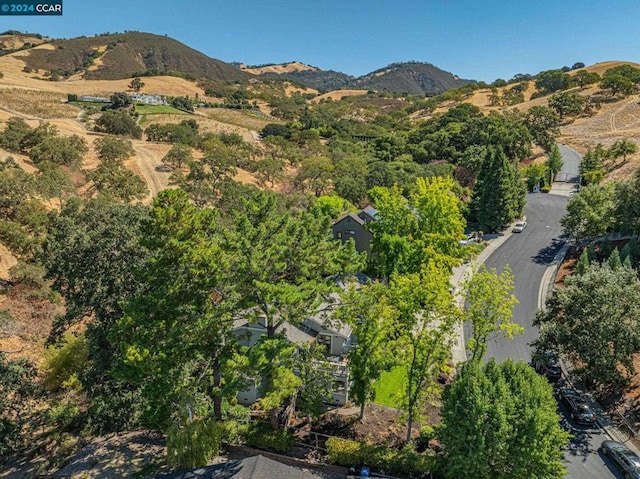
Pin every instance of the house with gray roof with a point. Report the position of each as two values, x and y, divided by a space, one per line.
254 467
353 225
336 336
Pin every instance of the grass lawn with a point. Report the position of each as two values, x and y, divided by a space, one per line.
389 385
158 110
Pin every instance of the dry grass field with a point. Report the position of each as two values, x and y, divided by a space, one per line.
213 122
37 103
338 94
11 42
279 69
239 118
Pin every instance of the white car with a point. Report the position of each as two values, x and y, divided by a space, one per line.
519 226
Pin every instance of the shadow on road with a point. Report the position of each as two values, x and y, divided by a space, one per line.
581 444
545 255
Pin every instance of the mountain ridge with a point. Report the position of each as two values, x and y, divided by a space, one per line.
412 77
116 56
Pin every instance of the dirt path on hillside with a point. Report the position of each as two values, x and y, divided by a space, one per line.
148 160
625 116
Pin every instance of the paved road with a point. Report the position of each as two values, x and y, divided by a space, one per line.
529 254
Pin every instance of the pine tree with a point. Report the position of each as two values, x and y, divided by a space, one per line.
614 261
554 161
583 263
625 252
498 196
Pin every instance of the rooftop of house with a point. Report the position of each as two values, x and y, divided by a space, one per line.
294 333
254 467
371 212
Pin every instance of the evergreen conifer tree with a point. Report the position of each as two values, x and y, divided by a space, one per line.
583 263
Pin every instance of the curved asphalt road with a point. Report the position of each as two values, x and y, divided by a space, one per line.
529 254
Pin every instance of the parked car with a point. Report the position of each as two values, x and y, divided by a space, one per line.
627 460
546 363
519 226
473 237
578 408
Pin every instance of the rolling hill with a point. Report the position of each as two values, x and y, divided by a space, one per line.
123 55
415 78
312 77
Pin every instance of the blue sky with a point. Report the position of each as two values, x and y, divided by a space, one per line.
480 39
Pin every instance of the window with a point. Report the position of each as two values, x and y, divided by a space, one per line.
349 232
339 234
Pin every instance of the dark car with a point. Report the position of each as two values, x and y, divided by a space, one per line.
627 460
546 362
578 407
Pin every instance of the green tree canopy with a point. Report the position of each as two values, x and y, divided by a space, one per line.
282 266
499 194
590 212
409 232
61 150
175 334
111 149
118 122
426 317
371 315
136 84
622 148
489 303
598 308
551 81
501 421
543 123
567 104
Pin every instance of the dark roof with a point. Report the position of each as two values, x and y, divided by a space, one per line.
254 467
353 216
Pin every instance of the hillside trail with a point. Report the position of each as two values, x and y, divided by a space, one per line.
148 159
613 118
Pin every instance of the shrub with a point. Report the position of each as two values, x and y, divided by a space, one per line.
115 406
193 444
7 323
234 432
262 436
63 414
427 433
345 452
19 242
65 361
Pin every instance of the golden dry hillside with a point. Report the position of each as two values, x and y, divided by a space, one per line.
602 67
30 95
279 69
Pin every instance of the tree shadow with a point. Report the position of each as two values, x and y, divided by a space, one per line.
545 255
580 445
